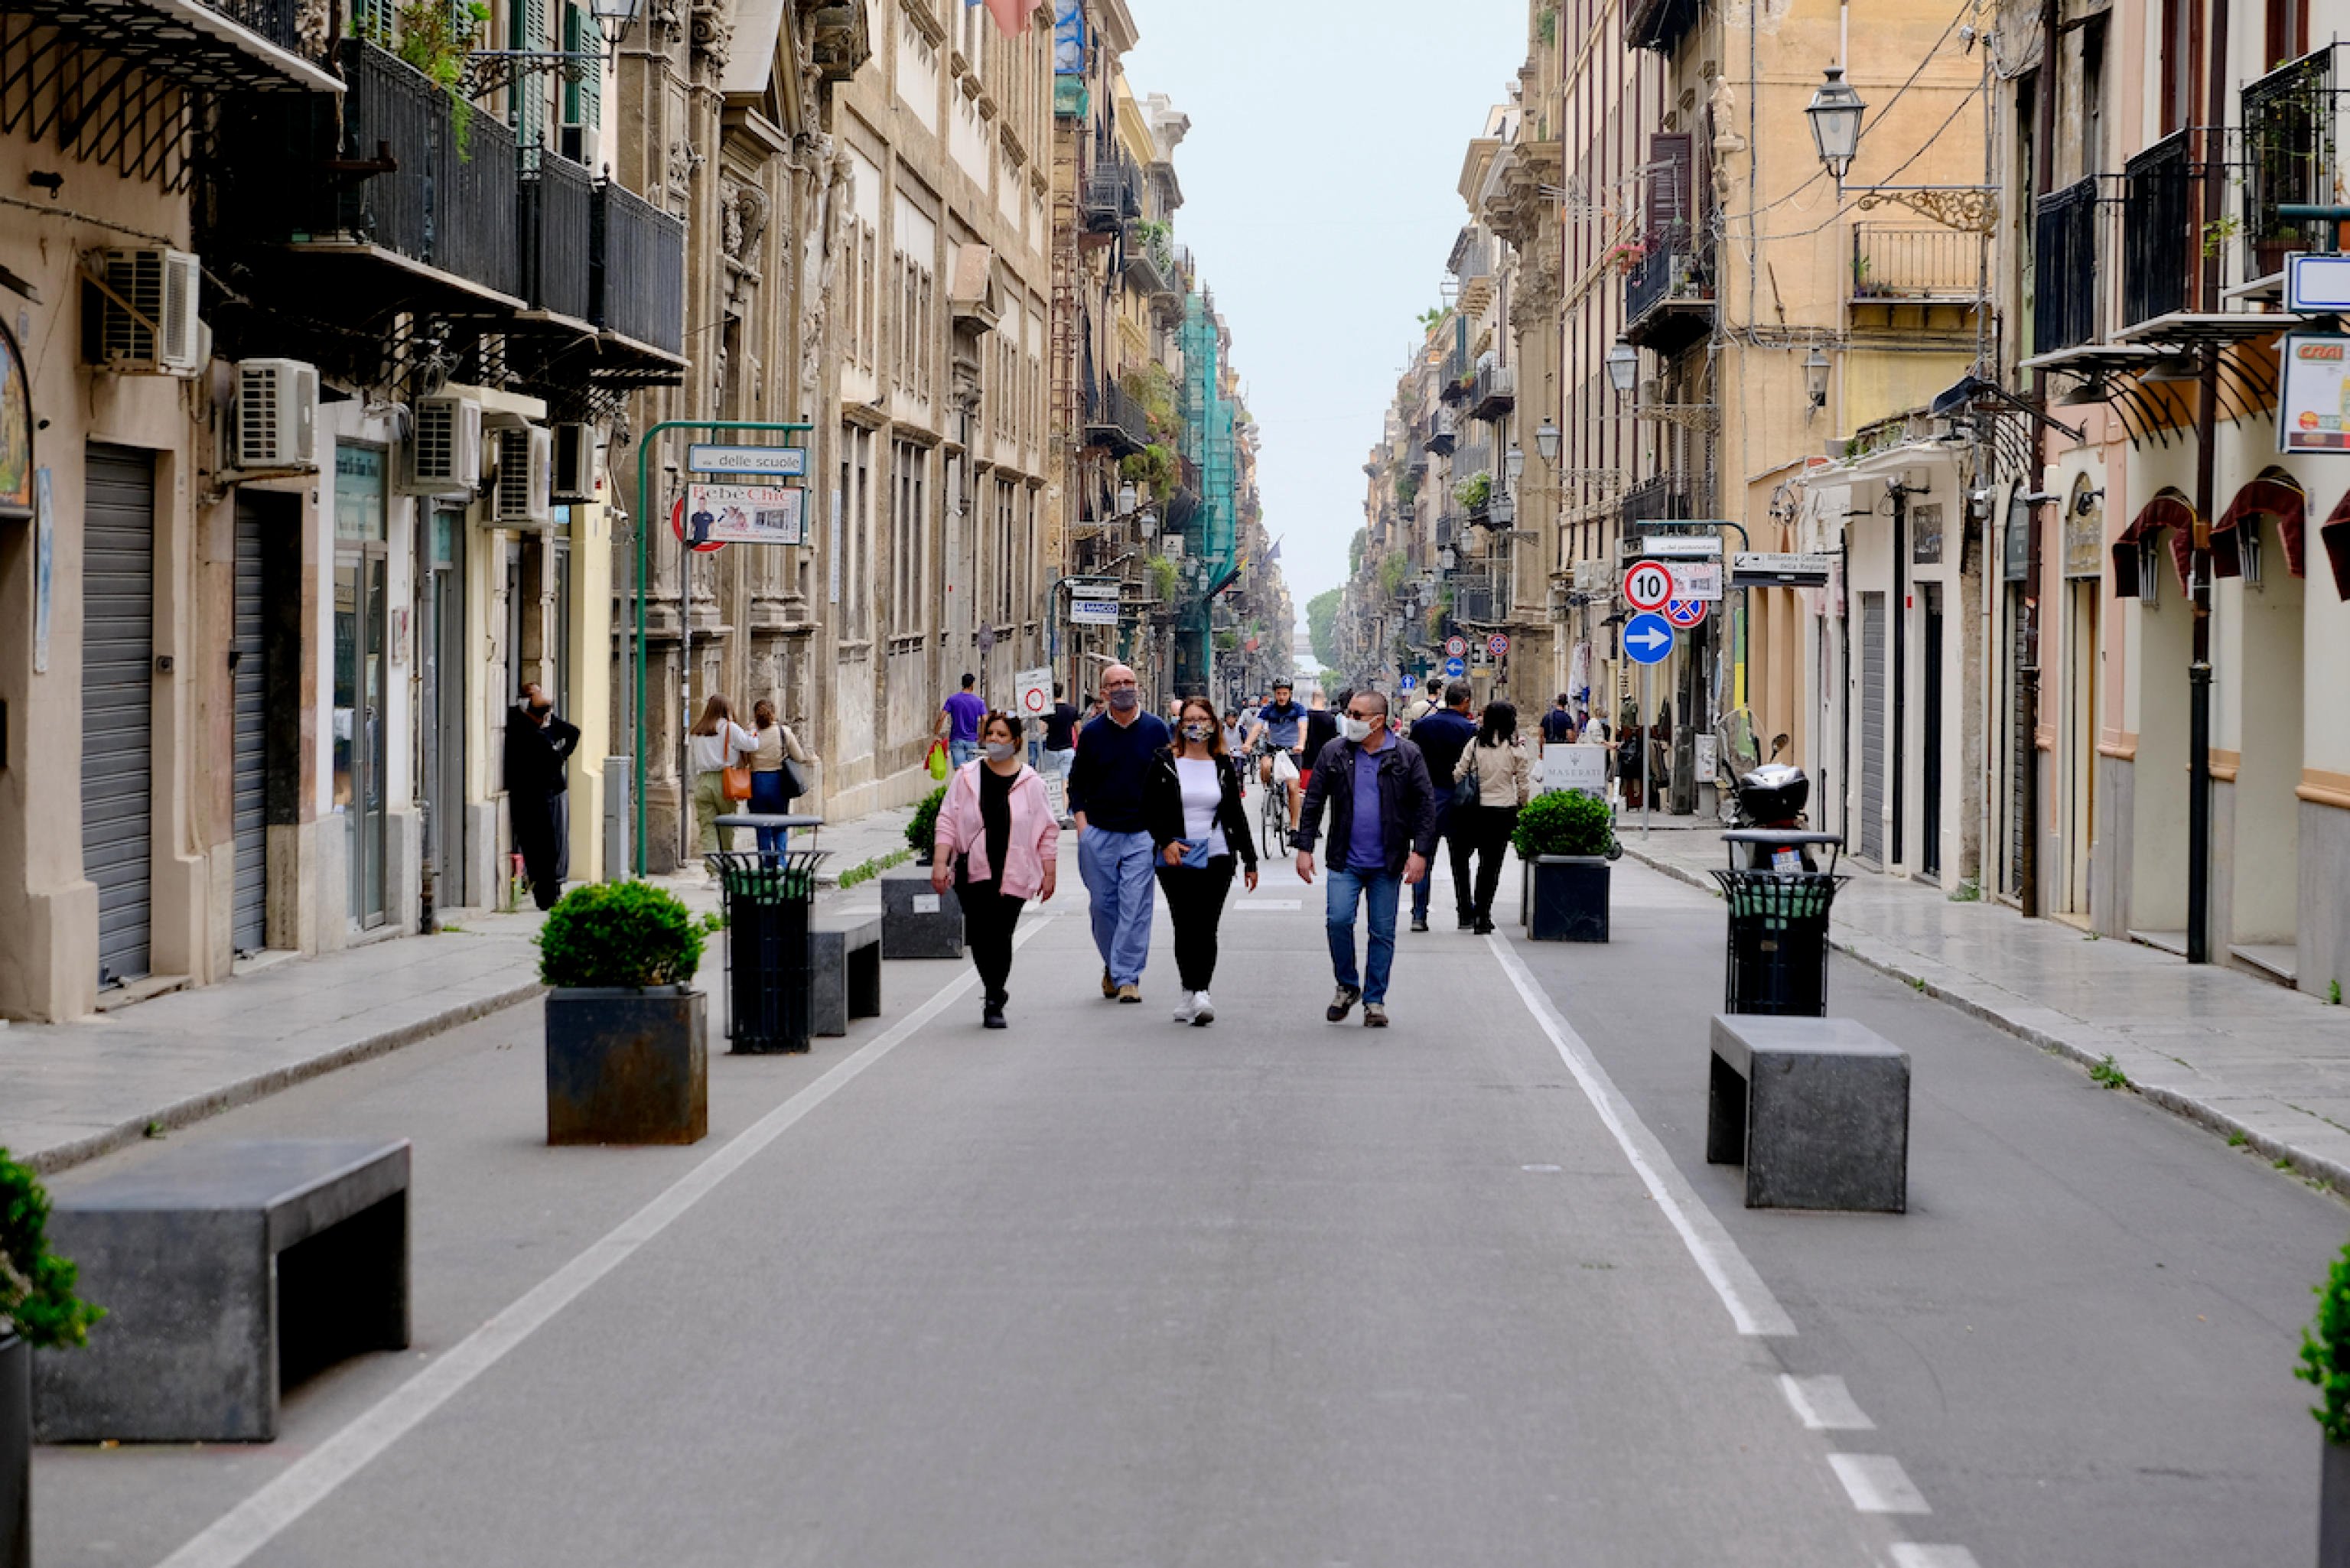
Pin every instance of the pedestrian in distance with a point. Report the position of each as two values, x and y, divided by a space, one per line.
1382 830
1321 728
1060 725
1114 850
717 744
997 846
1441 736
1558 726
771 788
958 725
1201 831
1493 779
539 799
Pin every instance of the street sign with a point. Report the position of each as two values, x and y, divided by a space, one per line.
745 513
1696 579
2317 284
1497 645
1456 646
748 462
1779 569
1033 693
1683 548
1454 669
1647 586
1684 613
1093 612
1647 639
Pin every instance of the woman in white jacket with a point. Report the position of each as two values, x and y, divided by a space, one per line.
1505 775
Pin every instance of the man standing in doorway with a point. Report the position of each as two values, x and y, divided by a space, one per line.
1382 831
959 718
1441 737
539 799
1114 849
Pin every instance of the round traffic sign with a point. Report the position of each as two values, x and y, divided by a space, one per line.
677 526
1647 639
1685 613
1456 646
1498 645
1454 669
1647 586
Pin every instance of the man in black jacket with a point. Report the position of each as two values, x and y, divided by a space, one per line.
1441 737
1382 831
538 747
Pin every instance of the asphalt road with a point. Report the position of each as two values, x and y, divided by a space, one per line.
1102 1290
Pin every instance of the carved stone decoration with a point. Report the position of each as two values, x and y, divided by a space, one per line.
743 215
1972 209
684 162
313 27
713 31
831 202
665 14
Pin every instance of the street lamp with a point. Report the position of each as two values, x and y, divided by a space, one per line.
1126 498
1815 377
1448 558
1623 365
1836 110
1546 441
614 18
1514 464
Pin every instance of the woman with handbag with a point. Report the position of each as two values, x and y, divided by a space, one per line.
775 777
1191 803
997 844
1497 763
719 750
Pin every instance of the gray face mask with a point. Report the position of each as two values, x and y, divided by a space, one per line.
1002 751
1356 729
1125 699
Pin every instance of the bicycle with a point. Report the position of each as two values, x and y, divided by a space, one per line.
1273 812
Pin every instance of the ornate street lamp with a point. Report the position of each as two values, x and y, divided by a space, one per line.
1546 441
1623 365
1514 464
1815 377
1836 111
614 18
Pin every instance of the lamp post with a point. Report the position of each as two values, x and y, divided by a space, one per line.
1815 377
1546 441
1836 111
1623 365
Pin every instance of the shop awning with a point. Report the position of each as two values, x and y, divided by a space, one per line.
2170 510
2274 493
2335 534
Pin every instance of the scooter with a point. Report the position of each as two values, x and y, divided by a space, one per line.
1773 832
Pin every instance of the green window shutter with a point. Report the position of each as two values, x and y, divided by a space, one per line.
582 99
527 26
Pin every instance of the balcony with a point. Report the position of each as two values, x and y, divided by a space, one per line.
1457 376
1893 266
1496 392
558 197
2158 252
1112 195
1150 260
1511 201
224 45
2064 268
1446 433
639 262
1658 25
1668 296
1116 422
2290 129
1661 499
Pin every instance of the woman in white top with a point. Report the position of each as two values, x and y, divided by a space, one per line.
1191 805
770 796
1505 775
716 743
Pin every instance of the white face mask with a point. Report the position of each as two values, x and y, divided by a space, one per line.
1002 751
1355 729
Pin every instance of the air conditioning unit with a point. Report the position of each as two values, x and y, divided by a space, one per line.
139 312
575 462
274 422
576 142
523 495
445 448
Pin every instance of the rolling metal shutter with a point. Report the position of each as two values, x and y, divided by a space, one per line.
117 600
1873 739
248 667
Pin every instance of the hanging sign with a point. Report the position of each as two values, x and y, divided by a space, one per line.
745 515
2313 405
748 462
1093 612
1696 579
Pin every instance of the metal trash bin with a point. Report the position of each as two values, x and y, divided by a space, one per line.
1778 959
769 980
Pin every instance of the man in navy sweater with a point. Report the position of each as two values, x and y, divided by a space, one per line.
1114 851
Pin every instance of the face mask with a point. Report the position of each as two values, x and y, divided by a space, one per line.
1196 731
1356 729
1125 699
1002 751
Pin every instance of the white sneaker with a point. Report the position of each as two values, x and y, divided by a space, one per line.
1188 1010
1202 1010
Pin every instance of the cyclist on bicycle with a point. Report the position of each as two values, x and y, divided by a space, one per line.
1280 729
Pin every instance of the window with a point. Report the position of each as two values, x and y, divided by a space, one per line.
908 537
855 562
864 283
851 312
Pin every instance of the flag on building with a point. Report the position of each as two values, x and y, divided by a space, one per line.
1275 554
1012 15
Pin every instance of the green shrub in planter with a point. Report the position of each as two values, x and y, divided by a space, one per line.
36 1286
1563 822
922 832
2325 1353
624 935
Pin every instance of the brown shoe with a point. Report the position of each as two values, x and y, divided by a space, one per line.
1129 993
1109 986
1375 1015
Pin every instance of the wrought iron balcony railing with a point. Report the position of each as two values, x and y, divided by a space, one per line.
639 269
1116 421
1496 392
2064 277
558 198
1669 298
1892 265
2290 129
2159 259
1112 193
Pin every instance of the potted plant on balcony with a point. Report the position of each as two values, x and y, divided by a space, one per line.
1565 837
2325 1362
38 1310
628 1057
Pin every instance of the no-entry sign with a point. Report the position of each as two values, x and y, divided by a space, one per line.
1647 586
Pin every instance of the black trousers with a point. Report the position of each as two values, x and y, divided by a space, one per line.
989 918
542 832
1195 902
1489 830
1452 824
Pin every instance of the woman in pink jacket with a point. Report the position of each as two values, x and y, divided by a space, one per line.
997 844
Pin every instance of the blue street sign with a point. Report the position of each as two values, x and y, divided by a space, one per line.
1454 669
1647 639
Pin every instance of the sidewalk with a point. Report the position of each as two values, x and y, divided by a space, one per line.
2267 1066
72 1092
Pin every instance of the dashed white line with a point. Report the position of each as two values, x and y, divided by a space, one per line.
1877 1484
1905 1555
1825 1403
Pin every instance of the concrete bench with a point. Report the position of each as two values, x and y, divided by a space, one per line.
917 923
1817 1109
227 1271
844 963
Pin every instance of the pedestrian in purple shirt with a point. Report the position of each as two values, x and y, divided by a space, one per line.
959 718
1382 831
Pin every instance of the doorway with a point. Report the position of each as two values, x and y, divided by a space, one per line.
444 645
1929 850
2264 863
1872 728
267 528
360 716
118 702
2082 614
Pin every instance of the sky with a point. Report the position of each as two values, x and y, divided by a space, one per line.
1321 198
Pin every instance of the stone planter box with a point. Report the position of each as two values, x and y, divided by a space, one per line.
16 1452
1569 898
627 1066
2334 1508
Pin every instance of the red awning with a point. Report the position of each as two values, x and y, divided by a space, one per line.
2334 534
2168 510
2273 495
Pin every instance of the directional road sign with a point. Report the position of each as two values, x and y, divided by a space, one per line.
1454 669
1685 613
1647 586
1647 639
752 462
1455 647
1497 645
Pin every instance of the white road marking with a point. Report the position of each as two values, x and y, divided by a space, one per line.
1247 905
1753 1308
1905 1555
1825 1403
1877 1484
260 1519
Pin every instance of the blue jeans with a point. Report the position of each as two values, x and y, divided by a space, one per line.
1382 890
961 751
1427 883
1116 870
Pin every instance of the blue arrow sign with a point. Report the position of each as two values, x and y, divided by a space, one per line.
1647 639
1454 669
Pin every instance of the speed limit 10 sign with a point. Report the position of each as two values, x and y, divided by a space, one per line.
1647 586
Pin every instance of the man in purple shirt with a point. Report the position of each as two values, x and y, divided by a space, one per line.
959 718
1382 831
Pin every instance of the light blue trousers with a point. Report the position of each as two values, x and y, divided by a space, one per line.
1116 869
